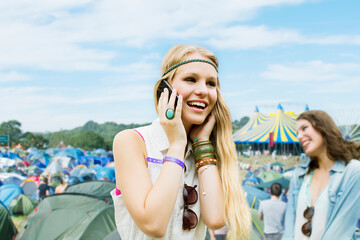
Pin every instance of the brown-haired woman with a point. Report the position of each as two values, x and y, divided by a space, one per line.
324 194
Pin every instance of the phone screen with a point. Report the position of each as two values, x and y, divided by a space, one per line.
164 84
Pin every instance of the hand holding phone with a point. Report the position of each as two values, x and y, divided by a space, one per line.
164 84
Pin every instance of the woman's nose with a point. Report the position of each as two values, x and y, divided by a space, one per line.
299 136
201 88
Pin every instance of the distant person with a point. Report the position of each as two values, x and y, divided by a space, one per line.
43 189
272 211
61 187
324 195
273 155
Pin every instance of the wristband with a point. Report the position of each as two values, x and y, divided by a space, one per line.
174 160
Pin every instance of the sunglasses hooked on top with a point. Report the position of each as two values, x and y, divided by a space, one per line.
190 219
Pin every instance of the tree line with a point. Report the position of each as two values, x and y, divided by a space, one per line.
88 137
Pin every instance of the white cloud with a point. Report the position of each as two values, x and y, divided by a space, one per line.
13 76
62 35
313 71
244 37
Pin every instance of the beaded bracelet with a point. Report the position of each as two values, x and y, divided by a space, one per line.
204 162
174 160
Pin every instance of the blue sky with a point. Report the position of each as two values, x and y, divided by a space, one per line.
63 63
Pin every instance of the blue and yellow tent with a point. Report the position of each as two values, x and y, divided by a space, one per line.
256 120
282 125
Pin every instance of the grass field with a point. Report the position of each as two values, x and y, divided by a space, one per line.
18 221
259 161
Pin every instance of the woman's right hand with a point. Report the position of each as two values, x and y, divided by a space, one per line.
174 127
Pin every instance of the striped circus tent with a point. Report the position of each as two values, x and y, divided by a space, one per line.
282 126
256 120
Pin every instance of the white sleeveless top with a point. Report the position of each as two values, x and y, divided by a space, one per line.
157 146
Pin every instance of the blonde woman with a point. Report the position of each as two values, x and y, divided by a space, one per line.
179 174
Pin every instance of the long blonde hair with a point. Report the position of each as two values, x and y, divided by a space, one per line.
237 212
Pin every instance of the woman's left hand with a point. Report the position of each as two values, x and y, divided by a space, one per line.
202 132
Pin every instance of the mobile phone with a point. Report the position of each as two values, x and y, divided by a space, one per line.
164 84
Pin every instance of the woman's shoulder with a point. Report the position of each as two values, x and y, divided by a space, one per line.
131 133
353 167
126 136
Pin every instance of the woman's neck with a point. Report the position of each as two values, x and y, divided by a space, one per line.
325 163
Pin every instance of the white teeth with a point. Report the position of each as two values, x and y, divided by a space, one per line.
199 104
305 143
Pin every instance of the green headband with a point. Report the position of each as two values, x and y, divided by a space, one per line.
189 61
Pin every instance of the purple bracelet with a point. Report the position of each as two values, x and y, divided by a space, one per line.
174 160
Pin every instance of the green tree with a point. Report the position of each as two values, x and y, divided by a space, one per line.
11 129
58 137
38 141
239 124
88 141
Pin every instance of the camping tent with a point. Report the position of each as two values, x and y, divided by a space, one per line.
7 227
257 225
106 173
100 189
69 216
21 205
254 196
8 192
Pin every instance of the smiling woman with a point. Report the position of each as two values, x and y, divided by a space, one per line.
179 174
324 196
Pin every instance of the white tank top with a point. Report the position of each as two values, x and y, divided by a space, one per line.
157 146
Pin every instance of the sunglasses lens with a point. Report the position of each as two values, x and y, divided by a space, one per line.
308 213
190 194
190 219
306 229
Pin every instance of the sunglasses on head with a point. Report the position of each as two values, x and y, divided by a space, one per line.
308 214
190 219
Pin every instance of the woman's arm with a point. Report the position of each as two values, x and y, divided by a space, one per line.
344 216
210 188
149 205
211 198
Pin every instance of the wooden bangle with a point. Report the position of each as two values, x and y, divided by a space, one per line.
204 162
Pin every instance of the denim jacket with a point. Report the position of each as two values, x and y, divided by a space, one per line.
344 198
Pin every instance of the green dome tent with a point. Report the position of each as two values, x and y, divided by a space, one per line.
100 189
69 216
7 227
22 205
